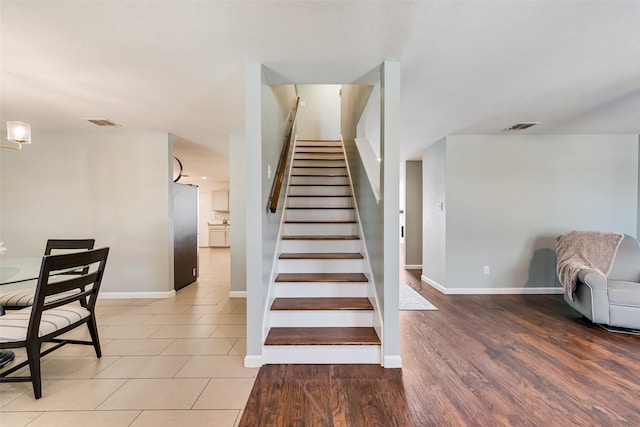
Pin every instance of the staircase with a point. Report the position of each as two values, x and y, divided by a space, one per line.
321 311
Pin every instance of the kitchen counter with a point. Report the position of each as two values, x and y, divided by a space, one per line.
219 235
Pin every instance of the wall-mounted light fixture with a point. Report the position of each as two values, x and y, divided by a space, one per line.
18 133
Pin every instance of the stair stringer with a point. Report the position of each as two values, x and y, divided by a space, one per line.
270 296
371 288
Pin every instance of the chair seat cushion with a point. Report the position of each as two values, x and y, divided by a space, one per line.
25 297
13 326
624 293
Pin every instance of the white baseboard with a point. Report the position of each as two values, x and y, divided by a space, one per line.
437 286
392 362
122 295
253 361
549 290
413 266
237 294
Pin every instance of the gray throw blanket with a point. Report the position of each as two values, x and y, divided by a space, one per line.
579 250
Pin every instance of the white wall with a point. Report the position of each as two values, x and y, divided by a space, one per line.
369 125
238 214
114 186
320 117
508 197
434 219
266 111
354 99
277 104
204 217
379 221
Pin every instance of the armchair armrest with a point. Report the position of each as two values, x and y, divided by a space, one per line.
593 282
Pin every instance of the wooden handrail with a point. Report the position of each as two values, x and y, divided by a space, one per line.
282 164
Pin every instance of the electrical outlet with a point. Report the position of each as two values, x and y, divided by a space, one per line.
487 270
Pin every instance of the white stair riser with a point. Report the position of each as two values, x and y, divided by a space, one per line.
321 266
334 202
311 143
307 150
319 164
319 180
320 290
324 246
321 318
319 156
320 229
321 354
320 190
320 214
319 171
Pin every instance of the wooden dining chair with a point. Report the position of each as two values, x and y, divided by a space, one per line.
22 298
54 311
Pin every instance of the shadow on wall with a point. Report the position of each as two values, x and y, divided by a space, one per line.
542 268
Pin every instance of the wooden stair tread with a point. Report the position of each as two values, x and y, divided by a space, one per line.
323 336
345 303
324 196
319 166
319 195
322 175
321 277
317 185
320 159
322 255
321 237
320 150
319 207
317 221
315 155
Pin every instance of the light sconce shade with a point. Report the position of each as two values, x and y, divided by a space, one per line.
18 133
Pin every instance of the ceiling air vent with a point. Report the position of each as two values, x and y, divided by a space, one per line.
522 125
102 122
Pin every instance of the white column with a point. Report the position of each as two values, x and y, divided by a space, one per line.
390 177
254 208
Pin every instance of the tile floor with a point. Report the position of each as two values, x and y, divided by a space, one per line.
168 362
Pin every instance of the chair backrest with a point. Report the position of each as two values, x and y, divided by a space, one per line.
626 266
68 244
52 283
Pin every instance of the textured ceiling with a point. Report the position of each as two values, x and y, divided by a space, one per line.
177 66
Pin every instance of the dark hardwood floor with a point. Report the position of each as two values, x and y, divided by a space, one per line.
499 360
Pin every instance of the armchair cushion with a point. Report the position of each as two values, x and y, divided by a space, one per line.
624 293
